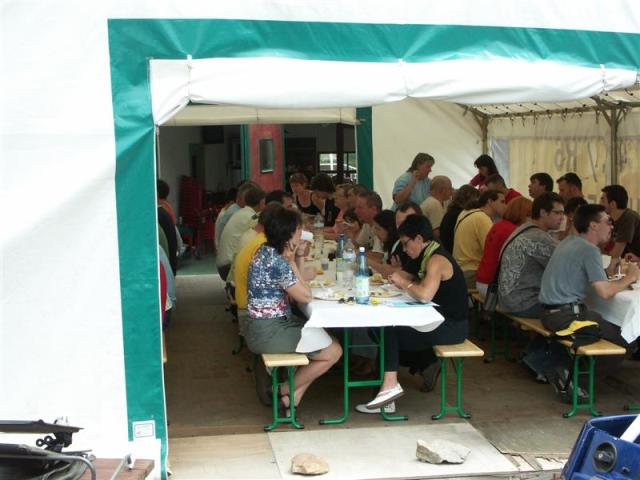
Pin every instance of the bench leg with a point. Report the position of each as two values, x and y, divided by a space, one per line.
458 363
493 348
590 372
277 419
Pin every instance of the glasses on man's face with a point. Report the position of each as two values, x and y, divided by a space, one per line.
607 221
405 242
559 211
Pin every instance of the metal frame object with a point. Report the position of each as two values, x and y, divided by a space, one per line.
277 419
458 363
348 384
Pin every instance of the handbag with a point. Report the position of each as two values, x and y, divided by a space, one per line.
491 298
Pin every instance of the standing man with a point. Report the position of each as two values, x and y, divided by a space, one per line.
414 184
496 182
626 224
540 183
434 207
570 186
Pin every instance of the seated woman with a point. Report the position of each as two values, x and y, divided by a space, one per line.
352 225
302 195
518 212
439 280
274 280
384 227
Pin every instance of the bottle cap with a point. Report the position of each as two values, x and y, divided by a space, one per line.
362 249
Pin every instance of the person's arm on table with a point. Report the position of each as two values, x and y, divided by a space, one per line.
427 288
299 291
373 256
382 268
606 289
616 253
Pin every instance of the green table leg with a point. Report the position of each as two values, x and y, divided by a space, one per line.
590 371
347 384
277 419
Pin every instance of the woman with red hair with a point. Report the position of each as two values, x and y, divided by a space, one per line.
518 212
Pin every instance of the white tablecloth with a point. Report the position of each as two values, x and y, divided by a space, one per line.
622 310
327 314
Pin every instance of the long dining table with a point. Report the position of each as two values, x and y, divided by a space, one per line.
623 310
399 310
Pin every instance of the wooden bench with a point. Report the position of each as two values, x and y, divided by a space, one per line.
457 353
588 352
274 361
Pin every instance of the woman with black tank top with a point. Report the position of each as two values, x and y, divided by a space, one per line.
439 280
302 196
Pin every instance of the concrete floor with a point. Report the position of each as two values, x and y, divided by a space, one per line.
210 392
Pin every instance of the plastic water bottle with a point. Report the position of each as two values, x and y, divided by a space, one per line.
340 259
362 279
348 261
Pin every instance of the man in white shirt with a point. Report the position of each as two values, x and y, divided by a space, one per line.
240 222
434 207
368 205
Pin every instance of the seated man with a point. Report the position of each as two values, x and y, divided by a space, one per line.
368 205
496 182
239 223
574 268
626 224
524 258
434 207
471 231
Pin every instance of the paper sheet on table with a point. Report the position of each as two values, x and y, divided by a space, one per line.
409 303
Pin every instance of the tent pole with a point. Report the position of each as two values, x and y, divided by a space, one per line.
483 121
616 116
340 152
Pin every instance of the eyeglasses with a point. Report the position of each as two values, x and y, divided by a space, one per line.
559 211
404 242
608 221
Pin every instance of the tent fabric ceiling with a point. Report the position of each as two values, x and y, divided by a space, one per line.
626 99
193 115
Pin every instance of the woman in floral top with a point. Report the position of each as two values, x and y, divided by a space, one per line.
274 280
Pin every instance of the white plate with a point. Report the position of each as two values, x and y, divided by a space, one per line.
383 292
331 295
321 283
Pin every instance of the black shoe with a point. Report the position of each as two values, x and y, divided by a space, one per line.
430 377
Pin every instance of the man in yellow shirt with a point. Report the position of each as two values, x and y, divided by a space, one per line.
471 231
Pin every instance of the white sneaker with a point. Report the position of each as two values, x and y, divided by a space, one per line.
388 408
385 397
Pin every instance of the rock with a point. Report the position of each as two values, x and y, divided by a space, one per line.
308 464
441 451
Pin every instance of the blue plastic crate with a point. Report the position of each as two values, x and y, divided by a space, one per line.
600 454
